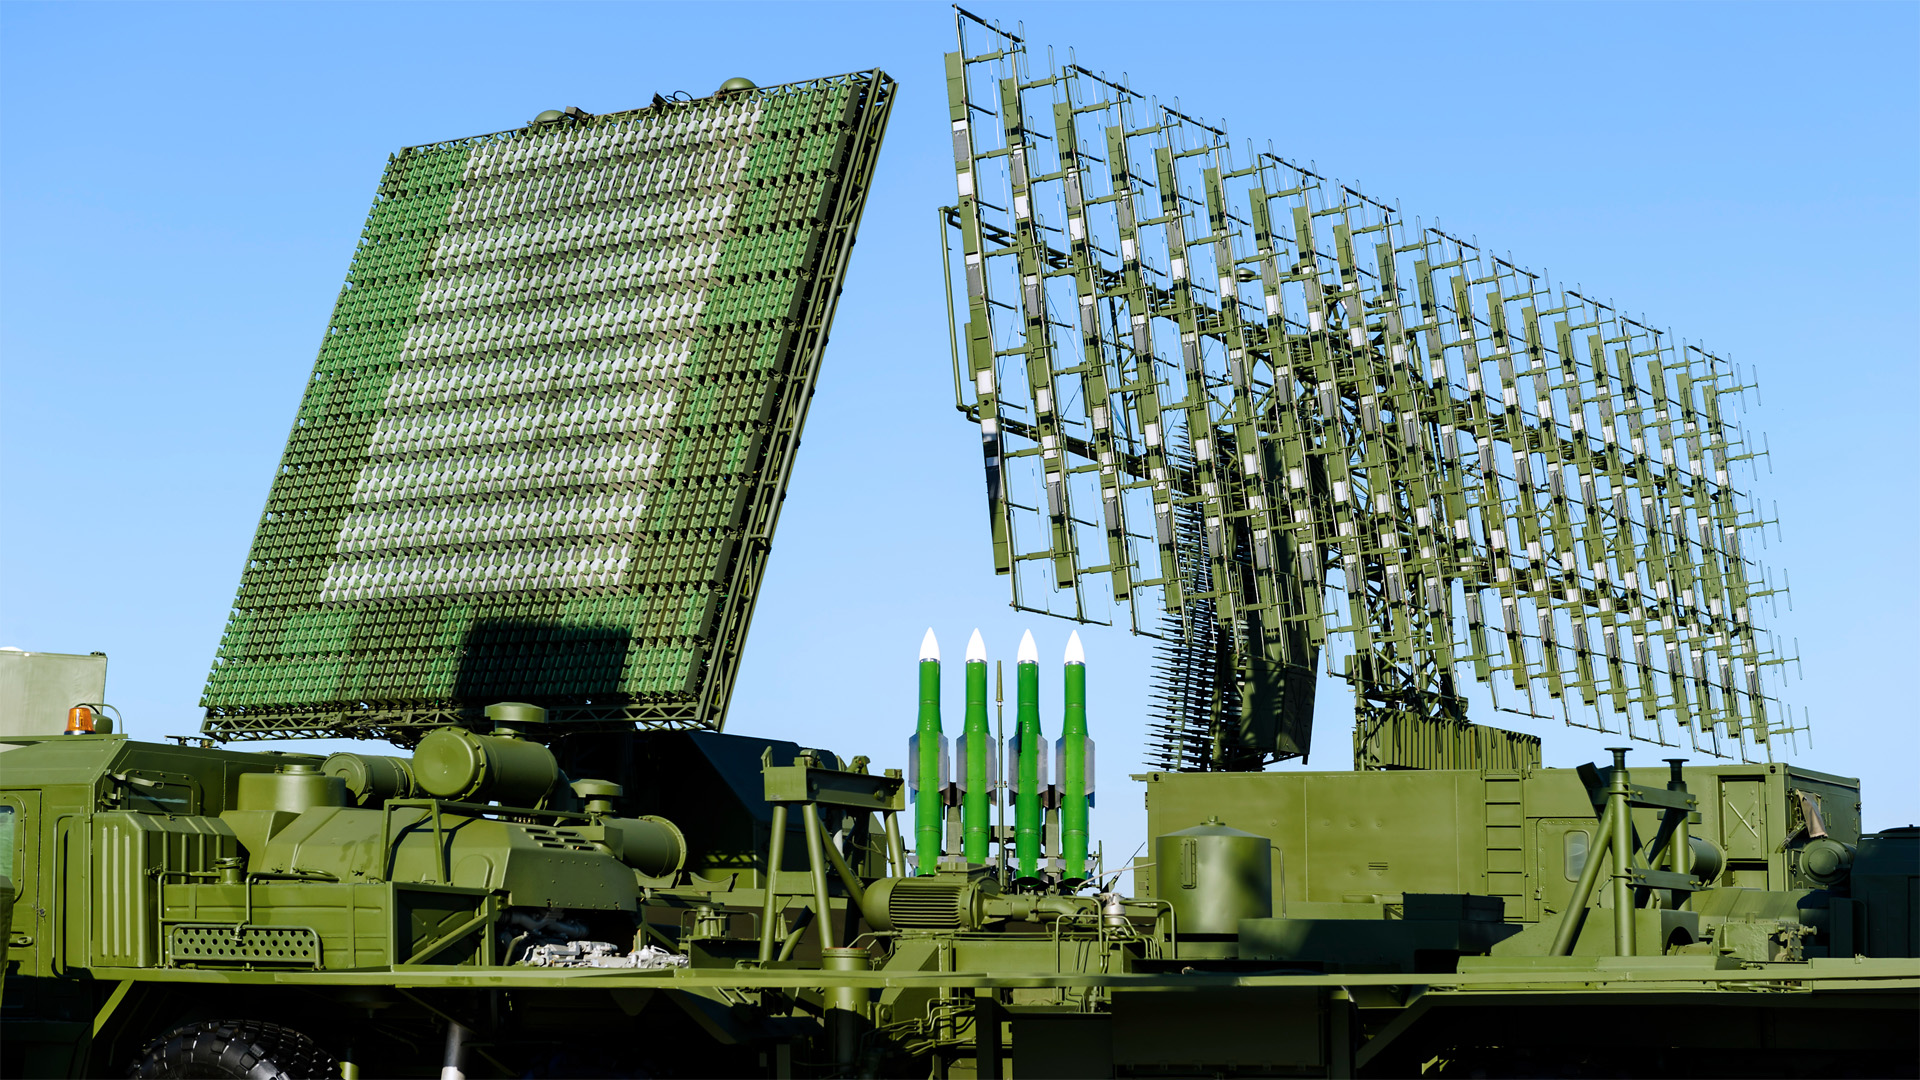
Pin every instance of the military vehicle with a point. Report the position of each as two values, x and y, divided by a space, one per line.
518 532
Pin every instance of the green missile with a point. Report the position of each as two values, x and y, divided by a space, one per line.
1030 750
979 754
927 761
1075 766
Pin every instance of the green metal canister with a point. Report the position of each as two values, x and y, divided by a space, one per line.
371 779
293 788
652 845
454 763
1213 876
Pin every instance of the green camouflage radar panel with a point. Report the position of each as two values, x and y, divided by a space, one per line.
544 446
1257 414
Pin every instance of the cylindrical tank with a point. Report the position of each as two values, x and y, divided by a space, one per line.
293 788
371 779
1213 876
652 845
454 763
847 1004
1705 860
1826 860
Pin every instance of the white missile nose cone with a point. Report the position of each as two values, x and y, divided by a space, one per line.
1028 653
930 647
1075 654
976 649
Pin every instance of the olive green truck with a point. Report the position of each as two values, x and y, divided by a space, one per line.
693 903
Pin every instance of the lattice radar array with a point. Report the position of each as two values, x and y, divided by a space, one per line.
542 451
1238 398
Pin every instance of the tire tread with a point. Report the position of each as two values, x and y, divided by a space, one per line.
236 1049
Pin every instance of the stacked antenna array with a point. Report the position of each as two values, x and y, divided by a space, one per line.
542 450
1402 453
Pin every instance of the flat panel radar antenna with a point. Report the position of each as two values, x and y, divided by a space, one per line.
1253 412
545 444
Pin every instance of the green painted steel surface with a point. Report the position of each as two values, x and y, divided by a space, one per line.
1029 754
543 447
291 789
1213 875
1074 763
1366 838
929 748
372 778
976 800
1260 414
454 763
156 887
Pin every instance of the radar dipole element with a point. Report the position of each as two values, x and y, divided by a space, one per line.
1254 412
545 443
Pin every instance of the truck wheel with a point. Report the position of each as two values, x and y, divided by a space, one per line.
236 1049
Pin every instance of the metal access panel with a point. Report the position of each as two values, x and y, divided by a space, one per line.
545 444
37 689
1521 835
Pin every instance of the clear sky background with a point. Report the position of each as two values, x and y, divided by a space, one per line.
181 188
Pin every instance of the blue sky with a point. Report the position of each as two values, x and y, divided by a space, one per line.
181 187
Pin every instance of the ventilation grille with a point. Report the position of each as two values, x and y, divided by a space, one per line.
927 905
556 839
295 946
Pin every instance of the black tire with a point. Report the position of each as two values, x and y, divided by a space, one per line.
234 1050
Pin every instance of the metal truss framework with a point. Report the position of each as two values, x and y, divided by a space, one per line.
1265 409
